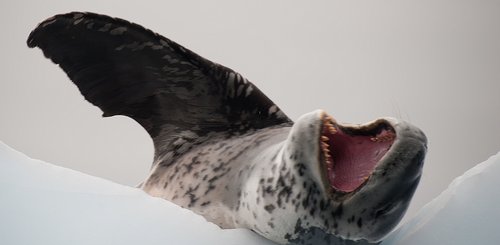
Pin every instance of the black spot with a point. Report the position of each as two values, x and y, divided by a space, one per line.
209 188
269 190
326 222
269 208
339 211
360 223
298 226
323 205
192 197
297 205
351 219
270 224
300 167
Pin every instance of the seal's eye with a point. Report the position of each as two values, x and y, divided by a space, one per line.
350 154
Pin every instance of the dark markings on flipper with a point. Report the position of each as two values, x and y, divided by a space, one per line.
125 69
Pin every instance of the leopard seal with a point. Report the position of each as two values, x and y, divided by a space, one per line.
226 151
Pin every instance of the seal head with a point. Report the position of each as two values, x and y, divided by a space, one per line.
361 177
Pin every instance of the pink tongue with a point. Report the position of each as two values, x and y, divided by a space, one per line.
354 158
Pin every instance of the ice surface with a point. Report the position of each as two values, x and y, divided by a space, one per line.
467 213
45 204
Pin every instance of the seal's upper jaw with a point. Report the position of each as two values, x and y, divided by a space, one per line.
350 153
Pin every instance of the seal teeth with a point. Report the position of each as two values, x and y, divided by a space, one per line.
328 130
325 146
329 126
326 150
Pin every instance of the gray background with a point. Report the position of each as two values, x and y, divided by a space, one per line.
434 63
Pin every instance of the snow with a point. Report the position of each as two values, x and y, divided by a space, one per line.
46 204
466 213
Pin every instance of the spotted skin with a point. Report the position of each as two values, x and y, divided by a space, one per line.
222 148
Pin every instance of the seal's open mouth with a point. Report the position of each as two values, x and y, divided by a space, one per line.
349 154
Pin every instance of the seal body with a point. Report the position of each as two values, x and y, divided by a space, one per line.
226 151
212 178
269 180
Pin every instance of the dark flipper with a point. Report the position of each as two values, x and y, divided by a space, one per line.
125 69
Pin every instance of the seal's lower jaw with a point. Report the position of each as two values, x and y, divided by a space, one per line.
350 153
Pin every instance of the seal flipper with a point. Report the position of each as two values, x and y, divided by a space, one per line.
125 69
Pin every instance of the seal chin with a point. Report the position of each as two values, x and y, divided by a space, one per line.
350 153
